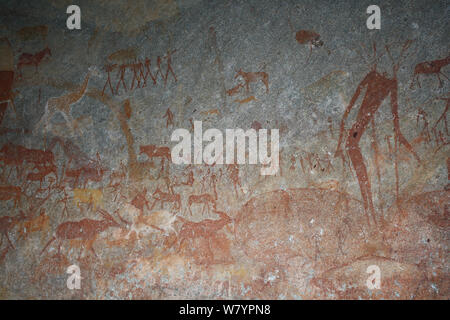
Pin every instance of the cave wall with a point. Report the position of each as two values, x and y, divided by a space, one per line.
87 176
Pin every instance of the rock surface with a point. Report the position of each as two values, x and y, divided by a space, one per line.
87 177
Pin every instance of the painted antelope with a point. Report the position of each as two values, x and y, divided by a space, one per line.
11 192
29 59
34 156
153 151
85 230
253 77
205 198
42 173
90 172
38 157
165 197
74 175
430 67
206 229
16 155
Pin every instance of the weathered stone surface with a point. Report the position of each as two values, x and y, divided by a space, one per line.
86 178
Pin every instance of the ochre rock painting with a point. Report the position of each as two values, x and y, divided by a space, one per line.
88 176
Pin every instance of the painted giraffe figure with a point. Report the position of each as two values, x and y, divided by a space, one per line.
63 103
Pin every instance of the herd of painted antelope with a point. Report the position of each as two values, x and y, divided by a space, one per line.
42 179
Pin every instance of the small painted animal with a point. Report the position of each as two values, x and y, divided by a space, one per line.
205 231
42 173
34 224
153 151
253 77
29 59
430 67
206 199
210 112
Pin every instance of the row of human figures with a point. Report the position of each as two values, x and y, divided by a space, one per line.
141 70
